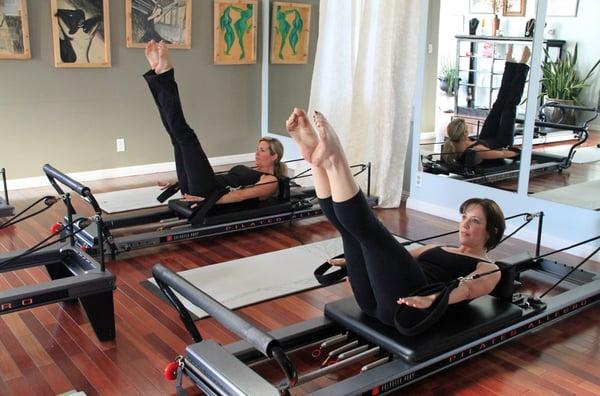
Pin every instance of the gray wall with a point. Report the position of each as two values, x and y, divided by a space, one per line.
72 117
289 85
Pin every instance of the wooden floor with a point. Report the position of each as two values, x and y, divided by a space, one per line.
52 349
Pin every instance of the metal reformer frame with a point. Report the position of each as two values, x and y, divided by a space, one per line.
5 208
226 370
74 275
543 163
172 228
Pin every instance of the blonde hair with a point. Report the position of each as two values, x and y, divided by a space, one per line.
275 147
455 131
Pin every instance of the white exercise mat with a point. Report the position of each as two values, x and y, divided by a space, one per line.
583 195
583 155
250 280
127 200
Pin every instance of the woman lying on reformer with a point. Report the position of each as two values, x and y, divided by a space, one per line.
197 180
496 138
383 274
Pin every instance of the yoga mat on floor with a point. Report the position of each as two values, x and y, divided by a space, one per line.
583 155
250 280
583 195
132 199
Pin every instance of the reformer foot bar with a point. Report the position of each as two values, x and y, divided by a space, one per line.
5 208
74 275
382 359
173 223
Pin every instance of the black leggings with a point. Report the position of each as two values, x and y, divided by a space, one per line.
499 127
194 172
380 269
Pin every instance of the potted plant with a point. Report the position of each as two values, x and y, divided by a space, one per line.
562 83
448 79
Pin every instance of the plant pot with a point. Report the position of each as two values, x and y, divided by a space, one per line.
443 85
446 88
557 114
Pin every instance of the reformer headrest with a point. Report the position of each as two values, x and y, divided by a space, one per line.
283 188
509 266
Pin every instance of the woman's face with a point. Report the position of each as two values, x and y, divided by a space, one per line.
472 228
263 156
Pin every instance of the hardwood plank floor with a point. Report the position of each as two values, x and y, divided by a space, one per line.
52 349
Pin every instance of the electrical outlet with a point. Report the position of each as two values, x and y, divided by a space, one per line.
419 179
120 144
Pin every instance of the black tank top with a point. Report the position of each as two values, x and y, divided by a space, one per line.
238 176
439 265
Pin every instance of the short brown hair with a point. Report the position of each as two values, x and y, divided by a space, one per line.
494 219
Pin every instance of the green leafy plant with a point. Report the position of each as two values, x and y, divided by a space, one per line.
448 79
560 79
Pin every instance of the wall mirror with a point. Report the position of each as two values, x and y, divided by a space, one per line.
570 137
466 72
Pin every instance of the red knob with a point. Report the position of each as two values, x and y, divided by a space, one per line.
55 228
170 372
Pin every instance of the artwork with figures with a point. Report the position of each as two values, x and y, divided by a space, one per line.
563 135
159 20
235 31
290 32
81 33
14 30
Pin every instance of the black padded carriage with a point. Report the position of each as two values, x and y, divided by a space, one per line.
461 324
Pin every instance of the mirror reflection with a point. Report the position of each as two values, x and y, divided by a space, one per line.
569 109
482 69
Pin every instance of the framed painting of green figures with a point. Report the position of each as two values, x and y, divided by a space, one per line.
159 20
14 30
235 31
81 33
289 32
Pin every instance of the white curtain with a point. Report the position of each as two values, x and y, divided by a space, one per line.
363 81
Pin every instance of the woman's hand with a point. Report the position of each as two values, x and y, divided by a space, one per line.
419 302
164 184
192 198
338 262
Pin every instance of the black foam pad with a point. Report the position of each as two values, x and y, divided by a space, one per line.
238 211
461 324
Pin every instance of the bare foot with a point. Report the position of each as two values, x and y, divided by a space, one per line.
509 54
164 59
299 128
329 147
151 53
525 55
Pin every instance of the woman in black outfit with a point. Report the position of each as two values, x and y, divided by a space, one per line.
195 175
497 134
381 271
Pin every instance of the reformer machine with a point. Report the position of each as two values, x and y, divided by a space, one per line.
491 171
5 208
74 275
180 222
382 359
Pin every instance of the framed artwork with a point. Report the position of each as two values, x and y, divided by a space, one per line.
14 30
482 6
235 31
513 7
81 33
167 20
562 8
290 32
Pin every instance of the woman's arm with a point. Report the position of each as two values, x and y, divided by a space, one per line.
484 153
466 290
265 188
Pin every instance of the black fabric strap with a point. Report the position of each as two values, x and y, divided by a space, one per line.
168 193
332 277
200 212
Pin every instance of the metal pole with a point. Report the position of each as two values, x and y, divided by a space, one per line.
3 171
70 219
539 233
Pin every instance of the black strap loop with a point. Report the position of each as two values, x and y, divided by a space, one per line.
332 277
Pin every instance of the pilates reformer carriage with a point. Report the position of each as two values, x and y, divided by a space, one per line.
181 221
381 359
491 171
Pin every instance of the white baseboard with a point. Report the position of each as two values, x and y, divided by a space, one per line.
136 170
548 241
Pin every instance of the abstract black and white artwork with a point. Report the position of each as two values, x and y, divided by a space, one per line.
14 30
166 20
